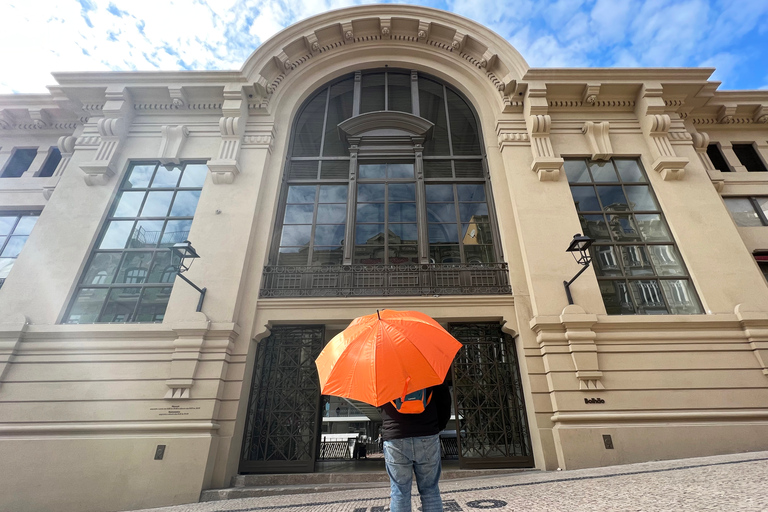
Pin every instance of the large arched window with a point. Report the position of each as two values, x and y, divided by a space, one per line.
410 186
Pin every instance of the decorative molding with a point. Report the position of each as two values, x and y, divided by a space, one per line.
545 164
755 326
700 144
66 145
186 353
173 139
726 114
666 162
178 96
719 185
599 139
761 114
226 166
514 139
261 140
6 120
112 128
589 95
11 335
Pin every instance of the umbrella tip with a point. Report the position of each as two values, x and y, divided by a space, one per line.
377 314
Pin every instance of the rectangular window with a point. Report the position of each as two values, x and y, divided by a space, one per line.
20 161
749 157
748 211
717 158
638 267
14 231
54 157
129 275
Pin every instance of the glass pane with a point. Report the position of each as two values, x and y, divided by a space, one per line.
157 204
653 228
402 212
585 199
194 176
647 295
309 127
154 301
437 169
373 171
166 178
333 193
666 260
471 192
681 297
402 192
339 109
369 234
432 108
370 192
369 254
403 234
606 262
603 172
332 234
464 134
102 268
616 298
135 268
86 306
437 193
128 204
444 254
301 193
441 212
623 228
399 97
292 256
443 233
612 198
370 212
742 211
296 235
25 225
332 213
594 226
6 224
479 253
13 246
629 170
640 198
5 266
139 177
120 305
327 256
473 212
332 169
576 170
146 234
476 233
635 260
185 203
403 254
116 234
468 169
163 270
299 214
175 231
372 94
762 203
400 170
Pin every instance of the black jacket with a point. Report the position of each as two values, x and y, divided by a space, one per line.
434 418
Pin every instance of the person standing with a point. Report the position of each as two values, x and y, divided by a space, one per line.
412 445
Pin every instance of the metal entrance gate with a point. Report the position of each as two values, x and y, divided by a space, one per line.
282 427
492 427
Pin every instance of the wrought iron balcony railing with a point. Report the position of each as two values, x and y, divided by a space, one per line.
385 280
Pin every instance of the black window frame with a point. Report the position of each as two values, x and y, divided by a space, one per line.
753 200
749 156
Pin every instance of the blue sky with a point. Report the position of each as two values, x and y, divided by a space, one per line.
40 36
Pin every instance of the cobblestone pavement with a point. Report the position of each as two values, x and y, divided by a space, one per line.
721 483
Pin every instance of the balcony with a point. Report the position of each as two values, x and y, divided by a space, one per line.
385 280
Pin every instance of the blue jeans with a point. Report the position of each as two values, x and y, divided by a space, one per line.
404 457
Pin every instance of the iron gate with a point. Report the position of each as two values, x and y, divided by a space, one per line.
492 427
282 427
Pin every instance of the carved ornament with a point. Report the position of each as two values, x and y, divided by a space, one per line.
598 139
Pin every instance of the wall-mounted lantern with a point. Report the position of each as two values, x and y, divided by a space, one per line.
579 245
184 251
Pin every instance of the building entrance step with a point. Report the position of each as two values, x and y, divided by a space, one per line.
248 486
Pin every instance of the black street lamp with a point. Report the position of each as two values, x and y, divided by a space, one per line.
579 244
184 250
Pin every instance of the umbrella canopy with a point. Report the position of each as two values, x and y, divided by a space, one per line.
383 356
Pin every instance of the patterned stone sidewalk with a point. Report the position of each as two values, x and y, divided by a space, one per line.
721 483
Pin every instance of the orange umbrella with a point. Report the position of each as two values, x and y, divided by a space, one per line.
383 356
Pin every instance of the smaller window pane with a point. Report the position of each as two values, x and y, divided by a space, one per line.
369 254
441 212
438 169
185 203
369 234
301 193
443 233
464 134
437 193
54 157
128 204
594 226
471 192
717 158
154 302
403 234
666 260
647 296
292 256
469 169
116 235
640 198
5 265
7 224
146 234
299 214
139 176
612 198
403 254
606 260
19 163
370 192
603 172
577 172
749 158
163 268
25 225
373 171
399 92
372 94
635 260
102 268
444 254
652 228
120 305
370 212
135 268
476 233
309 127
585 199
334 170
175 231
681 297
762 203
616 298
479 254
166 178
402 212
194 176
87 306
157 204
623 227
402 192
333 193
473 212
327 255
332 234
742 211
629 170
400 170
331 214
